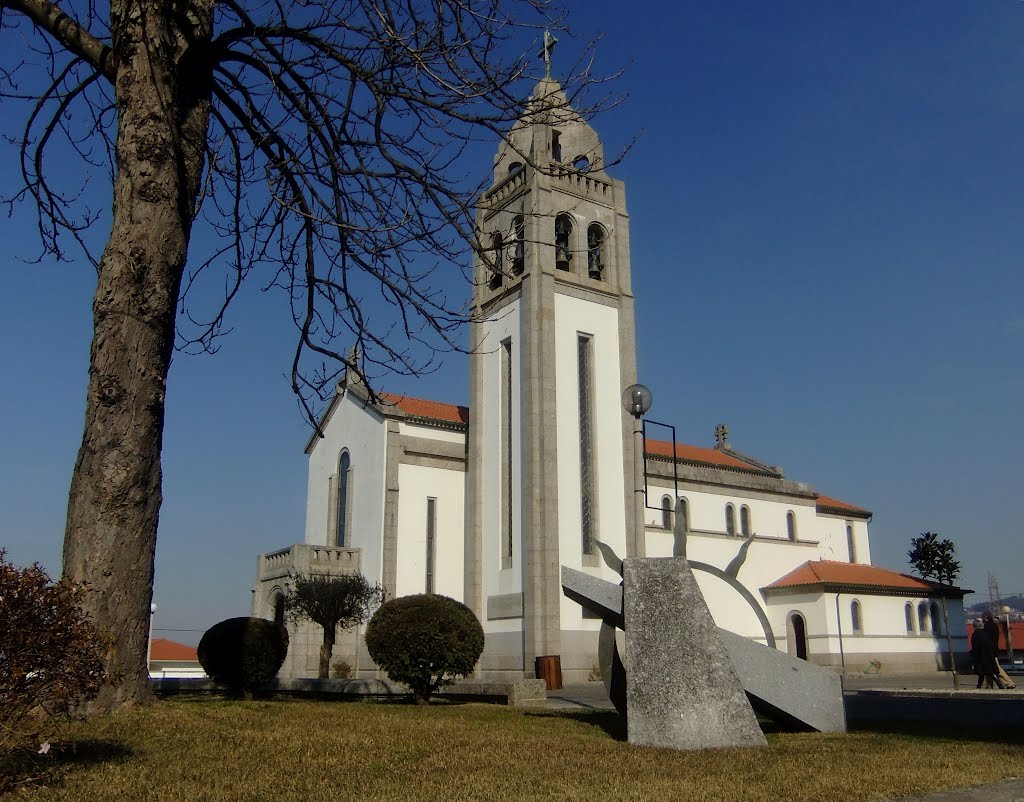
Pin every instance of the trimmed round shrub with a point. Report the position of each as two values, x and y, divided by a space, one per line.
424 641
243 654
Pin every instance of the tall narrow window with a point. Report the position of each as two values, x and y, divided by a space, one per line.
585 370
431 535
506 454
730 519
745 520
556 146
791 525
498 250
922 618
278 608
595 251
933 611
684 515
855 618
563 235
908 614
666 512
519 252
344 465
850 544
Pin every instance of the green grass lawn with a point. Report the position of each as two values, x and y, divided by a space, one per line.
300 751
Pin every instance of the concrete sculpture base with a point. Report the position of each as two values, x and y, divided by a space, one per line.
681 689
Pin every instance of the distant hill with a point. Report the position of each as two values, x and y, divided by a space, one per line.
1015 603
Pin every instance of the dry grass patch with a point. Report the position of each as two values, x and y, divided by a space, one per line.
298 751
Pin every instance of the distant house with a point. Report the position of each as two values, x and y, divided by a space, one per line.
170 659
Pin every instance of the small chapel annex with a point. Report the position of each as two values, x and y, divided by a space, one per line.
485 503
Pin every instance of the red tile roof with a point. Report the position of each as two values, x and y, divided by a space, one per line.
163 649
836 504
829 572
422 408
710 456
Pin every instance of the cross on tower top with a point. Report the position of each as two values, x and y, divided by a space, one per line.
545 52
721 436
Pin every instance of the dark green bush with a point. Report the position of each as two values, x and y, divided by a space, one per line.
424 641
243 654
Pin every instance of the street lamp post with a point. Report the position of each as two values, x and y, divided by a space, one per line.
1009 637
636 400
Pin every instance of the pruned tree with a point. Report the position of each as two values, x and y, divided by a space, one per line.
320 147
935 559
332 602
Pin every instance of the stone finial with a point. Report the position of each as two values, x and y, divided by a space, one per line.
722 436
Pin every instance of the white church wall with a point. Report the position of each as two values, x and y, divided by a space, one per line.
417 485
498 581
362 432
574 317
834 544
432 432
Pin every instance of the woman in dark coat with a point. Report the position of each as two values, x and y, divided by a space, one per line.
983 650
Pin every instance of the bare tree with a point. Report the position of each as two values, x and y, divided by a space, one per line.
321 141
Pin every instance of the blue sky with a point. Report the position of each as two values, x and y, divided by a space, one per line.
826 208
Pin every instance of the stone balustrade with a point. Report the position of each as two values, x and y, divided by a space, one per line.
303 558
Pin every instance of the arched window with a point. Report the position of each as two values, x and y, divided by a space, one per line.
595 251
563 238
514 167
581 163
684 515
796 636
922 618
666 512
344 466
850 545
745 520
855 619
933 611
519 252
278 604
556 146
908 613
730 519
791 525
498 251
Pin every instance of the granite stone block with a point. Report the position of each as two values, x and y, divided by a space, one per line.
681 689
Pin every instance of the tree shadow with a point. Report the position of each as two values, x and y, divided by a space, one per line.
28 769
980 732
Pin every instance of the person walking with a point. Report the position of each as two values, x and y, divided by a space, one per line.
983 650
992 628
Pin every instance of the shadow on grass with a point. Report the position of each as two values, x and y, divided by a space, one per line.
26 769
608 720
979 732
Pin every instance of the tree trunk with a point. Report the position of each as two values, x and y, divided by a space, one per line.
327 651
949 644
110 539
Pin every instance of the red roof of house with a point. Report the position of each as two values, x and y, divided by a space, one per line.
422 408
830 572
163 649
711 456
836 504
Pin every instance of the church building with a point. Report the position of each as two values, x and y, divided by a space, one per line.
486 503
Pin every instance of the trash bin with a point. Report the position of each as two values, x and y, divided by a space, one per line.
549 668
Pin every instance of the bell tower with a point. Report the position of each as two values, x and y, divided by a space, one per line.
551 450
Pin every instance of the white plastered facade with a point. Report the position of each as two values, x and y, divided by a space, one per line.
503 479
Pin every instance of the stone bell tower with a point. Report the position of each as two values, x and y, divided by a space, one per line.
551 460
